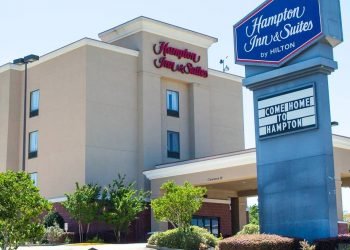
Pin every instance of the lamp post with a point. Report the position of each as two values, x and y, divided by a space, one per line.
20 61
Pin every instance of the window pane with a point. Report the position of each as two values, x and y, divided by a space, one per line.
169 142
34 100
200 222
172 100
34 177
207 224
194 222
33 142
173 141
215 226
176 146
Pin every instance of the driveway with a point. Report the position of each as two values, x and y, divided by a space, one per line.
140 246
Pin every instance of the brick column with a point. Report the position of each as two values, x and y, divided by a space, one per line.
235 215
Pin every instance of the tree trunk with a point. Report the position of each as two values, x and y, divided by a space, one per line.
3 246
118 236
115 234
4 243
173 224
87 230
80 227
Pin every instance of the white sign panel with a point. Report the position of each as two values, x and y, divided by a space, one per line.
287 112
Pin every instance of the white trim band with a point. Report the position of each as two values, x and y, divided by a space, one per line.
217 201
158 28
222 162
10 66
341 142
203 165
236 78
58 199
81 43
78 44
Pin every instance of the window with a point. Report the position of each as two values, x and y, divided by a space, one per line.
33 144
34 103
209 223
172 103
34 177
173 145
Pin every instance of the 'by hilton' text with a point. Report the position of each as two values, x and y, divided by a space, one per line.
287 112
164 50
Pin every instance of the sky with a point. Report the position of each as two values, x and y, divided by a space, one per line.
41 26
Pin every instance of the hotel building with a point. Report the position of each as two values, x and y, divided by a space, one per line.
140 102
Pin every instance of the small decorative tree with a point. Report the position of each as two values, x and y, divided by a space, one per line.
122 205
254 215
178 204
20 207
84 206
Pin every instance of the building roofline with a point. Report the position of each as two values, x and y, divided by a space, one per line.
70 47
159 28
340 141
232 77
204 164
205 158
212 163
9 66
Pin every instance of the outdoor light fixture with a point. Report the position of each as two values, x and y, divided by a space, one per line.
334 123
30 58
20 61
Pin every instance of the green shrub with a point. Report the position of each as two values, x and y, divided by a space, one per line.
194 238
53 217
258 242
54 234
306 246
96 239
250 229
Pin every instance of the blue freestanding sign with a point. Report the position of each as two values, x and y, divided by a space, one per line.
287 49
276 31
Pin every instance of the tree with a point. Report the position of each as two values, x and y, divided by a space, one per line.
122 204
84 206
178 204
53 217
254 215
20 208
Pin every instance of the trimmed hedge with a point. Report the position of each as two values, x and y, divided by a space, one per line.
259 242
176 238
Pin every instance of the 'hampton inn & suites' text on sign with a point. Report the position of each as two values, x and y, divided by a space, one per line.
276 31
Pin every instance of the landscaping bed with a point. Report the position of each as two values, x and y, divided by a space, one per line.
258 242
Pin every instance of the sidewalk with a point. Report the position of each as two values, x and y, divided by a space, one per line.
140 246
